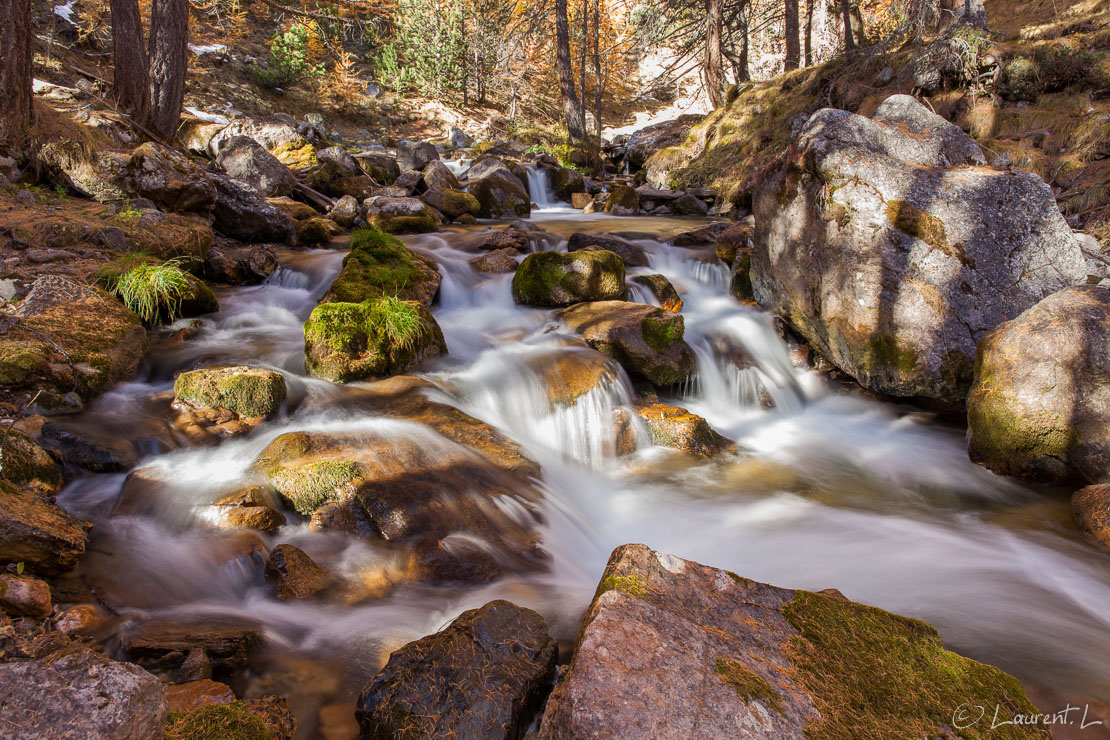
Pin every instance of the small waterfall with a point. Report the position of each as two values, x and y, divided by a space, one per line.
458 166
539 187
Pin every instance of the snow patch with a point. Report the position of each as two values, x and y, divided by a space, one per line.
210 117
207 49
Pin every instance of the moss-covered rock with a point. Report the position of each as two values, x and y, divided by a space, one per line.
623 200
500 194
217 722
400 215
27 465
647 341
679 429
246 391
376 338
379 265
562 279
198 299
451 203
662 290
315 230
296 155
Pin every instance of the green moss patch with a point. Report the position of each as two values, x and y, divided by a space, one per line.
307 487
378 265
873 674
917 223
558 279
748 684
633 585
217 722
249 392
661 331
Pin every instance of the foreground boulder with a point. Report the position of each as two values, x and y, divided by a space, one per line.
560 279
170 179
346 342
893 254
37 533
79 694
499 192
242 215
670 648
244 159
245 391
484 676
1036 408
646 340
380 265
102 341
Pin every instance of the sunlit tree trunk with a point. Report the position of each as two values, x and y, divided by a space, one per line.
711 67
566 75
597 70
846 13
809 33
793 52
582 65
131 77
169 38
15 73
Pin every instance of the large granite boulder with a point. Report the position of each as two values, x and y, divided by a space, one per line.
79 694
671 648
560 279
102 175
400 215
1040 404
379 265
892 252
380 166
483 676
646 340
500 193
170 179
270 134
246 217
244 160
438 175
415 155
451 203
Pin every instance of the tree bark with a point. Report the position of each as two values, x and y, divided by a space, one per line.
809 33
131 78
846 13
791 29
597 73
962 12
169 38
566 75
712 71
16 111
582 66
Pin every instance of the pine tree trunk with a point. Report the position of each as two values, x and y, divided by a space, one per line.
711 69
582 66
793 52
962 12
809 33
169 38
846 12
15 73
566 75
742 72
131 78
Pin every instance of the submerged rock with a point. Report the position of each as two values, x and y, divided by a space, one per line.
561 279
244 391
36 532
166 642
679 429
79 694
670 648
345 342
483 676
892 254
1037 408
646 340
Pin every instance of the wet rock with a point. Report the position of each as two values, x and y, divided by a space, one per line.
647 341
451 203
382 167
500 193
183 698
484 676
379 265
651 139
622 200
246 391
90 448
1090 507
677 428
345 342
27 465
315 231
103 341
295 575
517 239
82 619
239 264
102 175
708 234
632 255
415 155
249 508
36 532
566 183
662 289
79 694
171 180
670 648
294 208
249 164
344 211
734 240
893 257
497 261
165 643
558 279
242 215
1034 408
581 200
437 175
197 299
400 215
25 596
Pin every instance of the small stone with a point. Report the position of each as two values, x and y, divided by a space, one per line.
295 575
185 697
25 596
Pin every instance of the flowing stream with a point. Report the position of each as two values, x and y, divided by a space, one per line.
828 488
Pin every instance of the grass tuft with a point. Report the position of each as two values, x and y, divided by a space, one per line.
151 290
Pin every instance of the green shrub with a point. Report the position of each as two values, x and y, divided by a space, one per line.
288 61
